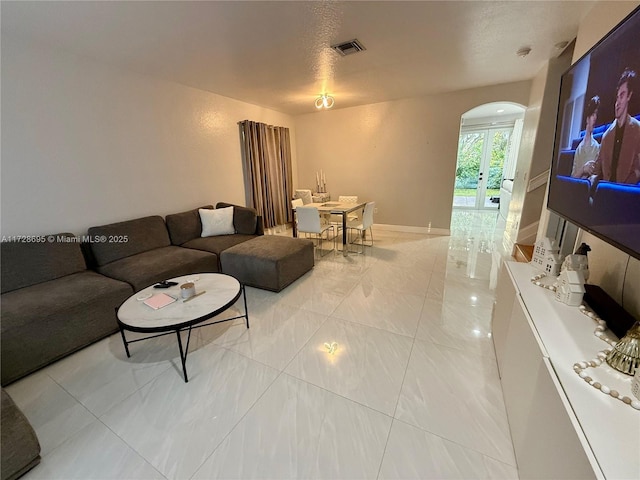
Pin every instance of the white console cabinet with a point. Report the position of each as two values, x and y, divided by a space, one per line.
561 427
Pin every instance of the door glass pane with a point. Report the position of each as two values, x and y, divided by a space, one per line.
497 155
470 147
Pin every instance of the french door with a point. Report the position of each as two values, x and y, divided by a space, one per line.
479 168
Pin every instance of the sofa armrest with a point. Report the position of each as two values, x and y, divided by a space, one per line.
20 446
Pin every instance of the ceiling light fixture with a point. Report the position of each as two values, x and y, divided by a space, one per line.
324 101
523 52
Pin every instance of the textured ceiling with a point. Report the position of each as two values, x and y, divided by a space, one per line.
277 55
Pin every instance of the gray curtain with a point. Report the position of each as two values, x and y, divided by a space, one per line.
266 152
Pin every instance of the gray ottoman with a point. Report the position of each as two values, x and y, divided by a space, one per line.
269 262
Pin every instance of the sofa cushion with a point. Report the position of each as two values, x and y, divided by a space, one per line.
20 446
47 321
217 222
153 266
244 218
25 264
217 244
185 226
124 239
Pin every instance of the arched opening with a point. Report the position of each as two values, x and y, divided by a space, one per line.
487 154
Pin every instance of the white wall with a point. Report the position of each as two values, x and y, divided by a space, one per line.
606 263
402 153
536 151
85 144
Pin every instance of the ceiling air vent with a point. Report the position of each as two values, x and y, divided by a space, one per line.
348 48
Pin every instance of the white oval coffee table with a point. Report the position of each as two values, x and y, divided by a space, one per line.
220 292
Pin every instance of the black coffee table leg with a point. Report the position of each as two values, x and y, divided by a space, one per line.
183 357
124 340
244 295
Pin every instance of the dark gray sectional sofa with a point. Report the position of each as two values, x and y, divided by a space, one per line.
19 446
140 253
60 295
185 228
52 305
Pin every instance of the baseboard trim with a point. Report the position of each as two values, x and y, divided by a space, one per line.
412 229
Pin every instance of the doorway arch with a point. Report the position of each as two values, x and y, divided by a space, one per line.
488 145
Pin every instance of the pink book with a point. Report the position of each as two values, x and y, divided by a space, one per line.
159 300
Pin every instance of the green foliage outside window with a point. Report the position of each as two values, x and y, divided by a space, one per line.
470 148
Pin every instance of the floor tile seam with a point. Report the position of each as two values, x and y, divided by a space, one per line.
441 344
466 352
401 292
279 372
395 293
95 418
466 447
314 311
466 304
342 295
295 355
326 317
351 400
330 274
404 376
235 425
247 357
384 450
371 326
132 448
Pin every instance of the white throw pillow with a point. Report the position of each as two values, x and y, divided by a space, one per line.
217 222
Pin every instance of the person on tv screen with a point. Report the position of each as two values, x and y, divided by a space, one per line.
588 149
619 157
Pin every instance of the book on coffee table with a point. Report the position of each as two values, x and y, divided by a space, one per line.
159 300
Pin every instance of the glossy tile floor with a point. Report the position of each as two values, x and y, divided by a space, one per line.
412 390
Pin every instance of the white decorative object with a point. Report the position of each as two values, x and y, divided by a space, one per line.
635 384
570 287
546 256
581 367
578 263
217 222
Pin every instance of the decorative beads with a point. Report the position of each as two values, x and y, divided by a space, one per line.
580 369
536 281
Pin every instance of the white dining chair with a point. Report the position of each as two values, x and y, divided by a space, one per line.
337 219
309 224
361 227
349 199
304 195
295 203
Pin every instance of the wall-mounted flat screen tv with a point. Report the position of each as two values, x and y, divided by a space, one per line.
595 172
